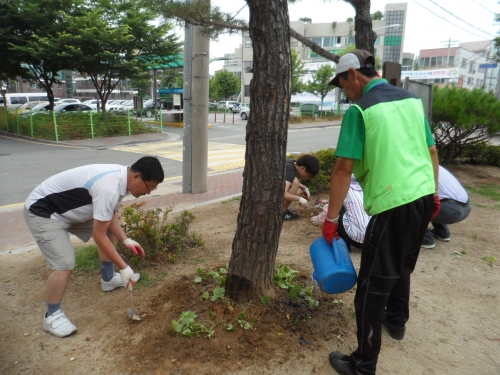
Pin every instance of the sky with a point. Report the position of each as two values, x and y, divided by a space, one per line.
428 25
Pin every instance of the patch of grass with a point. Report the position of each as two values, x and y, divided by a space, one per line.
479 205
491 191
145 281
87 258
236 198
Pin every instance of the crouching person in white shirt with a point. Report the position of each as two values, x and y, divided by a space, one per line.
83 201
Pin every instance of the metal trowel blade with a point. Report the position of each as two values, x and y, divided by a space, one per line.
132 315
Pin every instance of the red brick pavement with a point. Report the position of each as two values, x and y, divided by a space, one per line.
14 233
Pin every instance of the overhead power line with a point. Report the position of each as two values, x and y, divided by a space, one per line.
482 6
470 32
458 18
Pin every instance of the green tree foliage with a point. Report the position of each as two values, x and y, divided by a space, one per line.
297 71
116 40
461 118
319 84
377 16
223 85
31 38
141 83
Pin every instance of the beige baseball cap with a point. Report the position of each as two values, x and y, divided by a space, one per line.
356 59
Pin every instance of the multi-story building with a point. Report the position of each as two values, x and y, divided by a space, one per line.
335 37
465 63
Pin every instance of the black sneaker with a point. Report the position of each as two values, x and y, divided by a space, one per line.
341 364
397 333
288 215
433 232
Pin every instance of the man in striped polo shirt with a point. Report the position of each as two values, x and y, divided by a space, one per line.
83 201
386 142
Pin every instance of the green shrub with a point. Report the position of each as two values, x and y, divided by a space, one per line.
483 153
322 180
159 239
461 118
72 125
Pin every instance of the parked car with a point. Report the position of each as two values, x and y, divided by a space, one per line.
73 107
38 109
148 108
244 113
124 107
68 100
228 104
212 106
28 106
309 109
240 107
113 105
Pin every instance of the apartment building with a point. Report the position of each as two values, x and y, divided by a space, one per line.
334 37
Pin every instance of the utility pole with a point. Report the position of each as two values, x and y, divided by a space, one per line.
449 45
188 129
195 142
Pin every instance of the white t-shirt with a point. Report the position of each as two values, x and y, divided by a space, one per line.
80 194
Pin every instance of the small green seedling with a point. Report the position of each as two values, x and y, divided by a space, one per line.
490 259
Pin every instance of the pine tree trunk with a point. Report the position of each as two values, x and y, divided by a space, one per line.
255 243
365 36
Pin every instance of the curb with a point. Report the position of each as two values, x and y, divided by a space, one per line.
172 124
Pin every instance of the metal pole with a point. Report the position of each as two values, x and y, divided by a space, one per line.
187 146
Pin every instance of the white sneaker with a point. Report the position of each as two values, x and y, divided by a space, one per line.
116 282
58 324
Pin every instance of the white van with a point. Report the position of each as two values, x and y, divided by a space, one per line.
228 104
15 100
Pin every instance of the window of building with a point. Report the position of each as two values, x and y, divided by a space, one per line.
433 61
464 62
451 61
439 61
470 81
248 65
318 41
247 90
328 42
377 41
471 68
349 40
294 42
248 42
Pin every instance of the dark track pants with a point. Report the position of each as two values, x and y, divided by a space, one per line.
389 255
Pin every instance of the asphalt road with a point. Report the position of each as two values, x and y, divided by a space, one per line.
24 164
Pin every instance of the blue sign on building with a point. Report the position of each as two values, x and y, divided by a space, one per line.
487 66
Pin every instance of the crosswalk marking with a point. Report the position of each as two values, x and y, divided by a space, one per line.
221 156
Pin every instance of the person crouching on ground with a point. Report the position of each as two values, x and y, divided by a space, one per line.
455 207
306 166
83 201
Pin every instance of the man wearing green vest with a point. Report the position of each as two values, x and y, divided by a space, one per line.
386 142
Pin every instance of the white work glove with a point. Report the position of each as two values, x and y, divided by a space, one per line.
303 202
133 247
307 193
127 276
315 220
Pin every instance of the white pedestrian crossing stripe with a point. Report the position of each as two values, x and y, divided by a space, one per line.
221 156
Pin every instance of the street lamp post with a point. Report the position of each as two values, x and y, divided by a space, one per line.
387 27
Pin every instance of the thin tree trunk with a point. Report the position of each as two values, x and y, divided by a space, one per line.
260 220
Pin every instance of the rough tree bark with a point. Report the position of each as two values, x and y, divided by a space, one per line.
255 243
365 36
